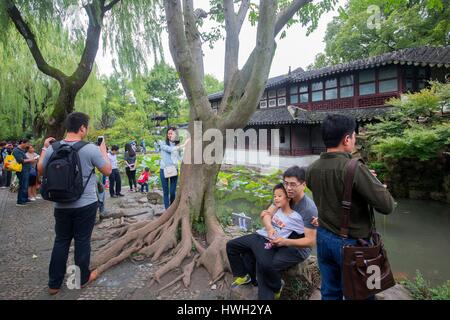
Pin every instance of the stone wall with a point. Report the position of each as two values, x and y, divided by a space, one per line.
414 179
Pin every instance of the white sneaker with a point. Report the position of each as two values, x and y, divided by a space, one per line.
38 198
32 199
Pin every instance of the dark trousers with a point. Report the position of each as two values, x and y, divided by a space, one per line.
144 186
247 255
131 174
115 182
8 178
5 178
168 190
76 223
22 194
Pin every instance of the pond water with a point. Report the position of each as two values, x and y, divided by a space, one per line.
416 236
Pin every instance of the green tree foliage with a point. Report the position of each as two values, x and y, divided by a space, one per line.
163 90
131 31
123 116
27 96
212 84
416 128
365 28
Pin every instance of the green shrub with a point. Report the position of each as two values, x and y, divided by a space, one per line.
421 289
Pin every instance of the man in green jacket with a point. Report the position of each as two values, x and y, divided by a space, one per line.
325 178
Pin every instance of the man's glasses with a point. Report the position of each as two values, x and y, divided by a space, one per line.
291 184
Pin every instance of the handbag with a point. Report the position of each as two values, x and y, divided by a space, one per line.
11 164
33 172
366 269
170 171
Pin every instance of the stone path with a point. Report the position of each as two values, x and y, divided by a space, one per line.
26 240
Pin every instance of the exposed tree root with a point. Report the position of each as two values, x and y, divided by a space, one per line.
168 240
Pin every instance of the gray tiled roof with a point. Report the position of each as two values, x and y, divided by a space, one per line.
361 114
271 82
418 56
298 115
271 116
433 56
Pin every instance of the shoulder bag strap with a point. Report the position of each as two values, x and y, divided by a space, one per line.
347 199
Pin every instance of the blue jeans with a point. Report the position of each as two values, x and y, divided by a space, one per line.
22 194
329 256
76 223
166 188
144 186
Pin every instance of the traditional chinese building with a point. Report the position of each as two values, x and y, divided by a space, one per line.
298 102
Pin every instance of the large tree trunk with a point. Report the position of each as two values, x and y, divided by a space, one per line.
64 105
195 200
172 232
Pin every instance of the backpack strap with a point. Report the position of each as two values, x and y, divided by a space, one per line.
77 147
80 144
56 145
347 199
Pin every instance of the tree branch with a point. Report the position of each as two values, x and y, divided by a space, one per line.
256 69
30 39
184 62
193 36
287 13
233 24
242 13
244 74
110 5
231 42
83 71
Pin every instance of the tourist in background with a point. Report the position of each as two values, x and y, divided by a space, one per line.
130 166
33 176
169 150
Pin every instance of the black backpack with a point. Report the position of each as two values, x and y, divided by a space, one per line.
63 178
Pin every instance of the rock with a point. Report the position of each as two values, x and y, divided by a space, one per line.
315 295
155 197
418 195
437 196
397 292
247 292
158 209
235 231
143 200
307 270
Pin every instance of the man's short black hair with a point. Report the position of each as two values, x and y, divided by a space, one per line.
23 140
75 120
115 148
335 127
296 172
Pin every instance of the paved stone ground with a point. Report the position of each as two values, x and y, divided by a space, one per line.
26 240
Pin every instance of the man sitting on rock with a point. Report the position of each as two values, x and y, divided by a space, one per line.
300 247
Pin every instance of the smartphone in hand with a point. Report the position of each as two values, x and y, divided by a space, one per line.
100 140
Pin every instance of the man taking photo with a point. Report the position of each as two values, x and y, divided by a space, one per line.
76 219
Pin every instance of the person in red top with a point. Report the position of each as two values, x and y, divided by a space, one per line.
143 179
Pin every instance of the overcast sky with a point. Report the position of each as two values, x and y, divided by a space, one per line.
296 50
